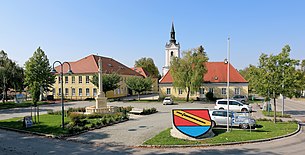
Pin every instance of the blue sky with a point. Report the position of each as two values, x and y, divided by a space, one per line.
128 30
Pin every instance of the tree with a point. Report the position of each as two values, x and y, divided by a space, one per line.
139 85
110 81
148 65
38 76
275 76
11 75
188 71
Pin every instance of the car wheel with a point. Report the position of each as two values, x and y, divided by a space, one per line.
244 126
213 124
244 110
221 108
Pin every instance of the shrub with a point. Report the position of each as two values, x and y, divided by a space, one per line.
209 96
149 111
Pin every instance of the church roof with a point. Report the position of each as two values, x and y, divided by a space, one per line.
89 65
216 73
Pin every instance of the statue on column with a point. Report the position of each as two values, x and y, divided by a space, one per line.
101 100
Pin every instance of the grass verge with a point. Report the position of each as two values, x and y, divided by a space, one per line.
49 124
267 130
8 105
278 114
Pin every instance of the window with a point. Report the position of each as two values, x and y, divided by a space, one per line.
180 91
237 91
73 79
172 53
66 79
87 92
168 91
87 79
211 90
59 79
94 92
201 90
59 91
54 91
119 91
66 91
223 91
80 92
80 79
73 91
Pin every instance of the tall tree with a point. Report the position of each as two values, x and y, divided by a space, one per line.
188 71
38 75
139 85
275 76
11 75
148 65
110 81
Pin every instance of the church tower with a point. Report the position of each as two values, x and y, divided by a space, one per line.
172 49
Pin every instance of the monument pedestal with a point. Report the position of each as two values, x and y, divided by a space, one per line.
101 102
177 134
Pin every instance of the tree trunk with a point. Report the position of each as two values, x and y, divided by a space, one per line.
188 94
274 103
38 114
138 96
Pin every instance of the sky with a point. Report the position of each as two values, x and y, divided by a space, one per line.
128 30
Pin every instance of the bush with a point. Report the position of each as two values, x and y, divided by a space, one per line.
209 96
149 111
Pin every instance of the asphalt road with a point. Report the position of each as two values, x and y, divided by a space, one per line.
108 140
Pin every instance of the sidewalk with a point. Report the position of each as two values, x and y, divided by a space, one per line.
257 114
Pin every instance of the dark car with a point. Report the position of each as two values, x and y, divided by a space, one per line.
241 98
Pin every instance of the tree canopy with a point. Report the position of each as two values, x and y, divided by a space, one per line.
188 71
139 85
38 77
110 81
148 65
11 75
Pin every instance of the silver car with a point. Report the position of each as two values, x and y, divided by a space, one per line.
242 120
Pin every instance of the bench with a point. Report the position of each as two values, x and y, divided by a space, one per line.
136 111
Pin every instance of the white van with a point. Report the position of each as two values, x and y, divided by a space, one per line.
234 105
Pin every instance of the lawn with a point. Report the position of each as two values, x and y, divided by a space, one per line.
267 130
8 105
49 124
278 114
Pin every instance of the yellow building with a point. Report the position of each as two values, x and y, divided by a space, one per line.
215 81
77 86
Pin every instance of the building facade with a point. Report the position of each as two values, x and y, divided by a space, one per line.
215 80
77 86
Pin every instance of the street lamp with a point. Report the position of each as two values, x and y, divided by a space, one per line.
62 85
228 83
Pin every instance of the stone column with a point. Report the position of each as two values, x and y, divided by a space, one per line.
101 100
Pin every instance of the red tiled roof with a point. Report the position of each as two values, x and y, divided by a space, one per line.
89 65
141 71
216 73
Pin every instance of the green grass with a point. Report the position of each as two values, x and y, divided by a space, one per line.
8 105
268 130
278 114
49 124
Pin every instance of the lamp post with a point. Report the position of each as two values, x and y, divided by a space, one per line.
62 85
228 83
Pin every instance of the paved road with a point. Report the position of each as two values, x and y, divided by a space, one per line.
20 112
296 108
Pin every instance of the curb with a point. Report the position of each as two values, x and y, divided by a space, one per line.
222 144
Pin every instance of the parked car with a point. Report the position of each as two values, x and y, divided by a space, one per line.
242 120
167 100
241 98
234 105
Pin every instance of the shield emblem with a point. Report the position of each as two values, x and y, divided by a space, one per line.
192 122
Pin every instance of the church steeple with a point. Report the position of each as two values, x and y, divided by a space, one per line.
173 39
